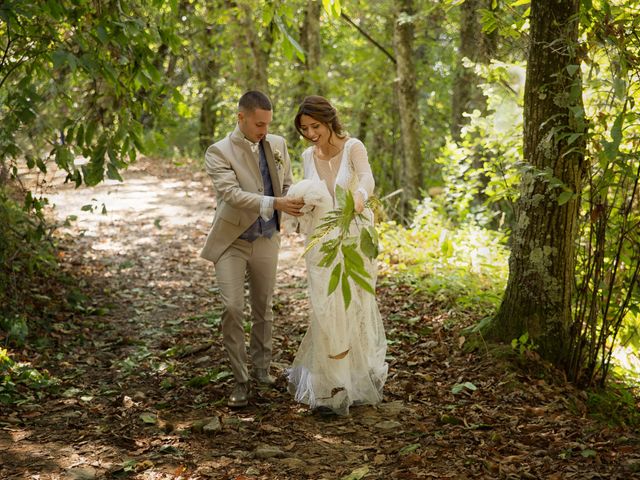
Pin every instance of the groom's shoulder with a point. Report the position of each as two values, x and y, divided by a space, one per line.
223 142
220 145
221 148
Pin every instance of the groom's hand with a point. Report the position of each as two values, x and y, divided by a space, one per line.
290 205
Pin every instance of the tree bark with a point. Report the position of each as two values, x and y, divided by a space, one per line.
310 34
210 98
260 48
310 82
403 36
478 47
537 299
4 173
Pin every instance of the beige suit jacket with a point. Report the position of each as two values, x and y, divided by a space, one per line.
239 188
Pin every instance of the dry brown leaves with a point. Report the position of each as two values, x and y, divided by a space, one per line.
143 377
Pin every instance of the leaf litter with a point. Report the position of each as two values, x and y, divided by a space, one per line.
143 376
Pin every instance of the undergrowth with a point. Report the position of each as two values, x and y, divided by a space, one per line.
31 290
617 404
464 266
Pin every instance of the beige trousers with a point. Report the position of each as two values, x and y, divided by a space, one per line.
256 262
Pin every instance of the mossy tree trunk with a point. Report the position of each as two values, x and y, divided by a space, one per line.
403 39
537 299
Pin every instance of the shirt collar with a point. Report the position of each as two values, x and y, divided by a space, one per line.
254 146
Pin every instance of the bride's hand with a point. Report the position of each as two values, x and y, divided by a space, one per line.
358 202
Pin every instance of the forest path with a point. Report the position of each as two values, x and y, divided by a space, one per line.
143 377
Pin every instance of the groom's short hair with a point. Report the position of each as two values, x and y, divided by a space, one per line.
254 100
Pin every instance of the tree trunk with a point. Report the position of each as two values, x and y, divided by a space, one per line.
310 82
310 36
537 299
478 47
260 48
210 98
403 36
4 174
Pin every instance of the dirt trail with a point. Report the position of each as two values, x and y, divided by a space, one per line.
143 378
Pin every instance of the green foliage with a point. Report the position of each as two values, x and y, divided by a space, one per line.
26 260
105 84
81 80
211 376
367 108
465 265
332 7
523 344
29 282
283 16
625 361
21 383
508 20
16 329
346 243
615 405
608 254
465 387
482 170
482 174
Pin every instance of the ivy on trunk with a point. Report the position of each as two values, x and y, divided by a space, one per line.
538 296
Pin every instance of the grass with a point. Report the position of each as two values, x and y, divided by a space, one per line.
464 266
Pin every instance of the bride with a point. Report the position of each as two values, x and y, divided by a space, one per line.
341 360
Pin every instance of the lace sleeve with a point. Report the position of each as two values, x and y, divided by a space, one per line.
307 163
360 161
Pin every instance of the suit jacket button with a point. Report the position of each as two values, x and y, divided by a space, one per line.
259 189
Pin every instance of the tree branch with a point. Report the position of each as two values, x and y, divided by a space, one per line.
368 37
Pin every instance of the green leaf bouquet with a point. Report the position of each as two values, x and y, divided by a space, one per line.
346 251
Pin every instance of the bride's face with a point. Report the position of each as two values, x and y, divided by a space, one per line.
315 131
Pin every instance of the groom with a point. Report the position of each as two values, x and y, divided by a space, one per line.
251 173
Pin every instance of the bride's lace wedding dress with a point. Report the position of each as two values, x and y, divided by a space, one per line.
341 360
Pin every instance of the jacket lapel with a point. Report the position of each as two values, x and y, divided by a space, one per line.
247 157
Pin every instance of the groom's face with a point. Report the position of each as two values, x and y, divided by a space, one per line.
254 125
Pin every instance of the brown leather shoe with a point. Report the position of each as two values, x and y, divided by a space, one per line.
324 411
261 375
239 396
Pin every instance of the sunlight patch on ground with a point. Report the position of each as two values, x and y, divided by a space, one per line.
173 284
109 246
154 206
141 199
144 241
325 439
